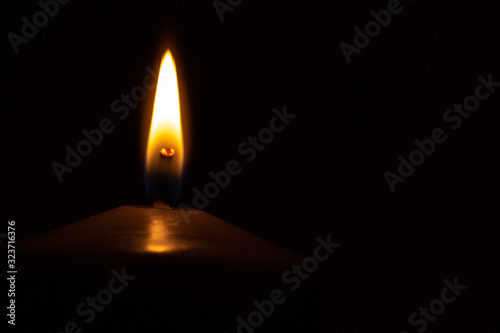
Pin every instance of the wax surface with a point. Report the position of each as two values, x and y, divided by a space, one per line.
196 275
172 233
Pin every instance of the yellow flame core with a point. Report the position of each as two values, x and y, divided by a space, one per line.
166 129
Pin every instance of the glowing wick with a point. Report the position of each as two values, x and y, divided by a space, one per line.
167 152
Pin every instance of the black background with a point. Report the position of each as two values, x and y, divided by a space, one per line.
322 175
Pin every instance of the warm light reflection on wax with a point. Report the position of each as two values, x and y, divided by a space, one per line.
164 233
158 237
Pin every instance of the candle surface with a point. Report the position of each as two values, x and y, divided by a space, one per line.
191 276
171 233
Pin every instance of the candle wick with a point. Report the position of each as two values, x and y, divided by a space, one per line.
167 152
161 204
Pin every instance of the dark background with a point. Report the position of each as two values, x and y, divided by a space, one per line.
323 174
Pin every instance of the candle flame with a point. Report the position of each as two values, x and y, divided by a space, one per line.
165 131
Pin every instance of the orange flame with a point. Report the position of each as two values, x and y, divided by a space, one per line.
166 128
